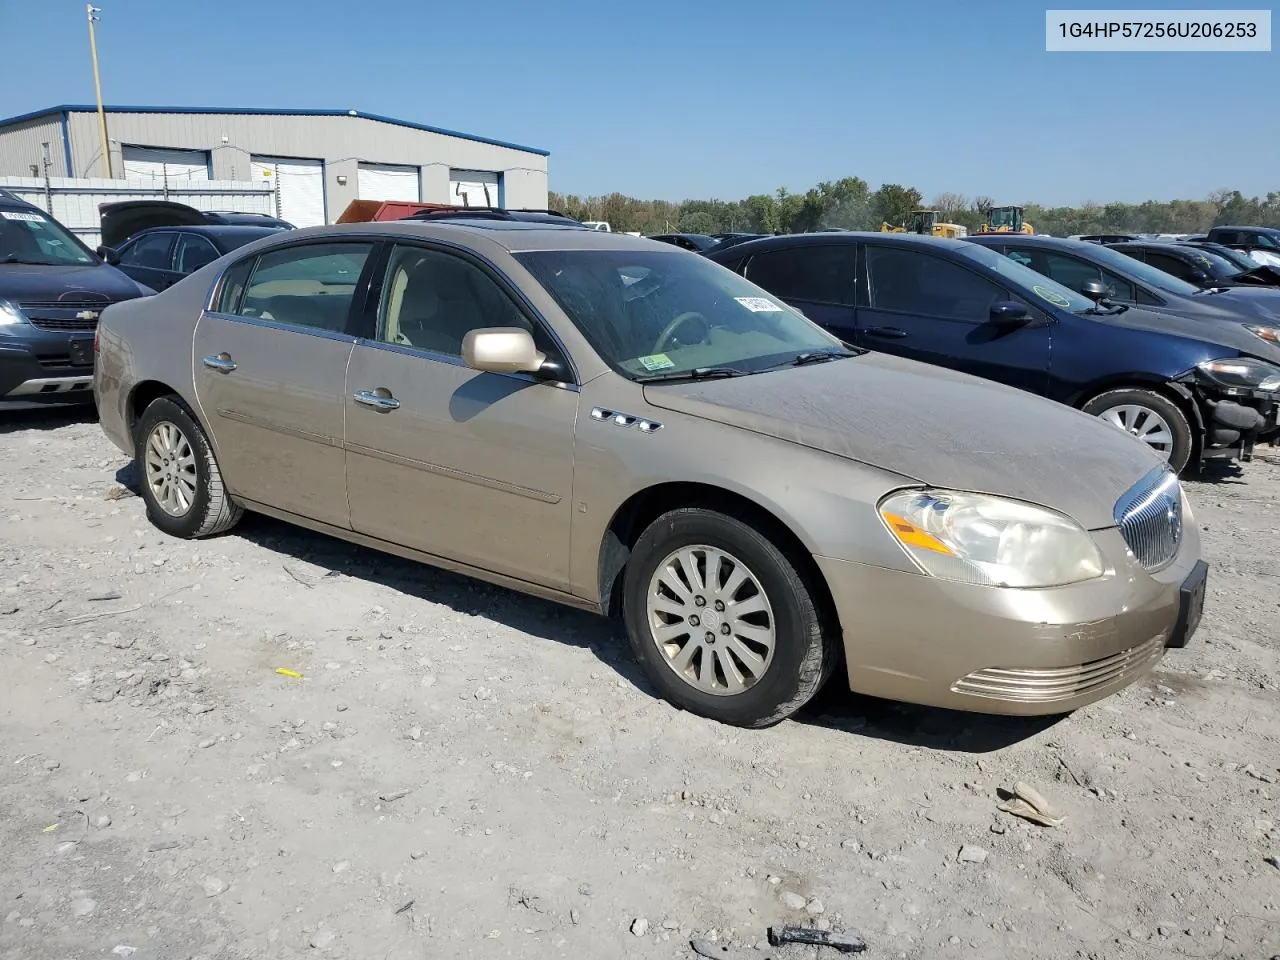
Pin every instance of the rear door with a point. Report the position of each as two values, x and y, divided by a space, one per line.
470 466
270 370
817 279
149 259
933 309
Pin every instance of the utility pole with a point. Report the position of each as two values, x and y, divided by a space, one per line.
48 189
92 12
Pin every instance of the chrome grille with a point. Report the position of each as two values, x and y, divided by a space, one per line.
1150 518
48 323
1027 685
76 301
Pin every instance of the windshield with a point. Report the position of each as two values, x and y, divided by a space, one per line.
1127 266
31 237
1005 217
1241 261
1014 269
652 313
1219 268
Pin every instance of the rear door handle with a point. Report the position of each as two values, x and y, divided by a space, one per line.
887 333
222 362
379 401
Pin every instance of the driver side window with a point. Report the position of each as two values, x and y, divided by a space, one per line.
431 300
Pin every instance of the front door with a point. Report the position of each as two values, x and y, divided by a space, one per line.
932 309
149 259
473 467
270 368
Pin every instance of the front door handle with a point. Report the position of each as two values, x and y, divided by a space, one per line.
222 362
887 333
379 399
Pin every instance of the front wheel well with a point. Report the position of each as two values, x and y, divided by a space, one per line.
644 507
1174 393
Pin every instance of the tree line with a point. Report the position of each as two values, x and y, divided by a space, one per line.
851 204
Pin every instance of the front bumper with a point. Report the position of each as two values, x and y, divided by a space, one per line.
998 650
42 367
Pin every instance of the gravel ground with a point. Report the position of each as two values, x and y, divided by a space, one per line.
460 771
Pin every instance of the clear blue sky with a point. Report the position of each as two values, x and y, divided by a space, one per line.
700 98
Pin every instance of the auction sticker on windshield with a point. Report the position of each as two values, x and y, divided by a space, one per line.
656 361
25 217
759 304
1057 299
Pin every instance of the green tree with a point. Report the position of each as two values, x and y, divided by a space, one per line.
893 203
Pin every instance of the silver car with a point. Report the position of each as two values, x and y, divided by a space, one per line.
630 429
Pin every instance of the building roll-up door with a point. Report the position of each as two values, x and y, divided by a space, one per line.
474 188
299 186
176 166
384 181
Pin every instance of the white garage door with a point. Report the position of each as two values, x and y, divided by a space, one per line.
299 186
177 166
384 181
473 188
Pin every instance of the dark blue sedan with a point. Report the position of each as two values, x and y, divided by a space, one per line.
1193 389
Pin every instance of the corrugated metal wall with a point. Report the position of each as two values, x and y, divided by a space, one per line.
20 146
341 142
74 202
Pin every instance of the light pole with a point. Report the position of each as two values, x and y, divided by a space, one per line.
92 12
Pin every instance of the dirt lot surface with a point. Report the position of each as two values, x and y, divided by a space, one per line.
460 771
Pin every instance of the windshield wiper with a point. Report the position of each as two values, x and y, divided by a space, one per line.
697 373
14 258
820 356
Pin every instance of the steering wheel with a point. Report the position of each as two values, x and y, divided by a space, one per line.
668 332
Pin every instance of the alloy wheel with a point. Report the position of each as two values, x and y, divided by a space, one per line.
711 620
171 469
1144 423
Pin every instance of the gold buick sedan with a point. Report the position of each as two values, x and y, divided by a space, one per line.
634 430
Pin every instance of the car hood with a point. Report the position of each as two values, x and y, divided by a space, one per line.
38 283
1259 303
1201 321
120 221
932 426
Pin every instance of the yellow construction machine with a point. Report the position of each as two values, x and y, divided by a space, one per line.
1006 220
926 222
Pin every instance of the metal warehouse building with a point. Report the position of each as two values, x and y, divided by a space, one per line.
318 161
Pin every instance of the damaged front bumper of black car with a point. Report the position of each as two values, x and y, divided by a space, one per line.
1238 400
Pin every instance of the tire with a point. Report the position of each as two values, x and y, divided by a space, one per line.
1150 417
195 476
771 687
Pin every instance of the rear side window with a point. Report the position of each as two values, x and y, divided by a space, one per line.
232 288
305 286
907 281
822 273
151 251
194 252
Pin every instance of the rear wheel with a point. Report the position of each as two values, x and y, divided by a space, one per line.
1151 417
722 621
181 483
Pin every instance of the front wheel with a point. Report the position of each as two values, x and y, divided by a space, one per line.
181 483
1152 418
722 621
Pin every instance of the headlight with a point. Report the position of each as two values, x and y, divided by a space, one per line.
1242 372
976 538
9 313
1269 334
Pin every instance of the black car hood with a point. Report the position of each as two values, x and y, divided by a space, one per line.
120 221
1225 327
91 283
1259 303
1263 275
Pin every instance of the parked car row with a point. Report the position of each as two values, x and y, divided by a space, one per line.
1194 374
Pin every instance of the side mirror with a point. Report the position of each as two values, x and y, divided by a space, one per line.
501 350
1009 313
1095 290
109 254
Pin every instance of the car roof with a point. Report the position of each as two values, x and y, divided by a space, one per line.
843 237
216 230
1172 246
514 236
1061 243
